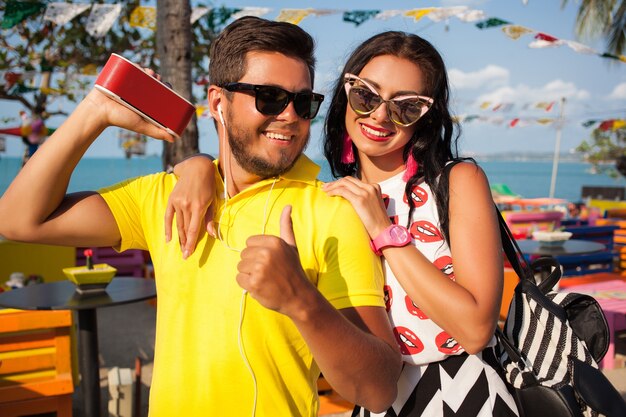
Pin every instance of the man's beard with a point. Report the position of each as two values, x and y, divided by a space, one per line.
256 165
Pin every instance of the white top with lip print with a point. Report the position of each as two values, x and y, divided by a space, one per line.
421 341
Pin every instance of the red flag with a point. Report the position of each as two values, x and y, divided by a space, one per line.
606 125
514 122
544 37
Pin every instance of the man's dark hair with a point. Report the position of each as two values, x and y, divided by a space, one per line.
252 34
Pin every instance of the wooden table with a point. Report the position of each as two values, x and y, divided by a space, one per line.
62 295
611 295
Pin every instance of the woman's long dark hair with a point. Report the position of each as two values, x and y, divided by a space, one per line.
434 142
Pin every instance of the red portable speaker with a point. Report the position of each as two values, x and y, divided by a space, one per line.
128 84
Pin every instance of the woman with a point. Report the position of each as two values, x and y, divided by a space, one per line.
390 135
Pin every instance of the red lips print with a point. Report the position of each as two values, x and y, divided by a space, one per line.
413 309
425 232
444 264
418 195
446 344
408 342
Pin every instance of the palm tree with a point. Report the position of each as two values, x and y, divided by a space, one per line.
605 18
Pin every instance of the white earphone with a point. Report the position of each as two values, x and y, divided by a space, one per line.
219 113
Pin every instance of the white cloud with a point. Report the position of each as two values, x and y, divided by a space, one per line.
490 76
619 92
522 93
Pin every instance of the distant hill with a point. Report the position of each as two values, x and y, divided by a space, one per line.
526 156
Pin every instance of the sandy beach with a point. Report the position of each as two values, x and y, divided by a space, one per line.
127 331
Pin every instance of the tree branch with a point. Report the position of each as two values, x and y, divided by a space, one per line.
13 97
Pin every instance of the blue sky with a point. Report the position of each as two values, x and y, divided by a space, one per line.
484 66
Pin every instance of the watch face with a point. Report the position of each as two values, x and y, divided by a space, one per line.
399 234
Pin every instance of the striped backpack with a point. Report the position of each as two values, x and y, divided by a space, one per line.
551 343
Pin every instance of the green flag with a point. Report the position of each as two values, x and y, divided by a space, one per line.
492 22
359 16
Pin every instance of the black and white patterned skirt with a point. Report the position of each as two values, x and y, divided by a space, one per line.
461 386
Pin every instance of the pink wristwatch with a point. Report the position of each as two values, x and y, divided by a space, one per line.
394 235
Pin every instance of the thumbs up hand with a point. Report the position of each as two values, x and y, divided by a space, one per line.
270 269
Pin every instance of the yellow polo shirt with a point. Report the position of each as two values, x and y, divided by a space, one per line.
200 367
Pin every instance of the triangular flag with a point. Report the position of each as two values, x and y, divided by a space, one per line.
504 107
545 121
620 57
514 122
388 14
545 37
101 18
62 13
293 16
589 123
541 43
442 13
471 15
417 14
202 111
197 13
606 125
251 11
547 106
485 105
619 124
580 48
18 11
492 22
143 17
515 31
359 16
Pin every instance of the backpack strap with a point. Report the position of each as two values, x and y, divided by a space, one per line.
521 266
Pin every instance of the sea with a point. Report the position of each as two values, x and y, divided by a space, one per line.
529 179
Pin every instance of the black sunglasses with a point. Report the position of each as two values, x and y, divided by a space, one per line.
271 101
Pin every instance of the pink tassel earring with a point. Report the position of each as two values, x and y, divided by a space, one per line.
347 153
411 168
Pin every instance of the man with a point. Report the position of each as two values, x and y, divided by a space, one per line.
245 324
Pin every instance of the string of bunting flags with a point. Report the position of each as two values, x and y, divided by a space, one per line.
103 16
515 122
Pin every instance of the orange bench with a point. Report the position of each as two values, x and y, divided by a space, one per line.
330 401
35 363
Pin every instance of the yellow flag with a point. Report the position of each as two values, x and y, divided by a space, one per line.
143 17
293 16
485 105
619 124
515 31
417 14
